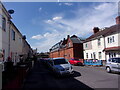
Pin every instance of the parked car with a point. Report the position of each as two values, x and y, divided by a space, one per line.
75 61
60 66
113 64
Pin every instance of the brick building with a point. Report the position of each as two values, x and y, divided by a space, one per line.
72 47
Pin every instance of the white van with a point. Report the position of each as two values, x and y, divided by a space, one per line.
113 64
61 66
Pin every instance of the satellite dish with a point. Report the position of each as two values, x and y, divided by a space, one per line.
11 11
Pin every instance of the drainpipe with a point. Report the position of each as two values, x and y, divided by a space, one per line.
9 38
104 47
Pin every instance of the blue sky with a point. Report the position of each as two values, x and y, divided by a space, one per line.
47 23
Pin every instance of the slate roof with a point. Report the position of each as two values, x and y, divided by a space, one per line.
75 40
105 32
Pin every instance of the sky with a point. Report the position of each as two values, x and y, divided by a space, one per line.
46 23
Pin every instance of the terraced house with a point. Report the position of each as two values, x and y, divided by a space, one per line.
72 47
12 43
103 44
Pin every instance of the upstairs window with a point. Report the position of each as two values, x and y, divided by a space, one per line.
4 23
99 42
69 45
111 39
86 45
13 35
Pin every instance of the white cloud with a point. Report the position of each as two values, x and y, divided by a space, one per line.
102 15
37 37
57 18
40 9
68 4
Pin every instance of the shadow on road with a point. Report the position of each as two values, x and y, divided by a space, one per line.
40 77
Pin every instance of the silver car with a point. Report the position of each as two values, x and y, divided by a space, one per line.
61 66
113 64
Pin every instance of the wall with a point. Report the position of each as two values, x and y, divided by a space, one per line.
0 27
78 51
114 44
96 49
5 37
15 45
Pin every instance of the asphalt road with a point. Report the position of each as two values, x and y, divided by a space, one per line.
84 77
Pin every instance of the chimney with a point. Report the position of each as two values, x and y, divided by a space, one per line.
64 39
118 20
68 36
95 30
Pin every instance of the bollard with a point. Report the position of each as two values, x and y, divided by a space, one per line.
0 76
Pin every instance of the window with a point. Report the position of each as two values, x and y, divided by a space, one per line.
91 55
111 39
94 55
108 40
100 55
99 42
86 55
86 45
13 35
4 23
69 44
111 55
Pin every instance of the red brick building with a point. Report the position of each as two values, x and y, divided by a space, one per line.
72 47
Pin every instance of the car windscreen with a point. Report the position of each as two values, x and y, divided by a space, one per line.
60 61
117 60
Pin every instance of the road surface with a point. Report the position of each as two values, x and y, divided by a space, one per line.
84 77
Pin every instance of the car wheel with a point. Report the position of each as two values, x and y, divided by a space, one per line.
108 69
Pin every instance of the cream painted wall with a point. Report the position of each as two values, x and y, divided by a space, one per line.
119 38
5 37
114 44
15 45
95 48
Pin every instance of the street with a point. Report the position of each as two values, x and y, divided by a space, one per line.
84 77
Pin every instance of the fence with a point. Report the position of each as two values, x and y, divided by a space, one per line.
93 62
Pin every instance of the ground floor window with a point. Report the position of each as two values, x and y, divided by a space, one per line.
86 55
94 55
112 54
100 55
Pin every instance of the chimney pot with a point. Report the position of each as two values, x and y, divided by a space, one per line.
68 36
95 30
118 20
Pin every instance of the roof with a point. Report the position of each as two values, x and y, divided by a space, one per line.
5 11
112 48
105 32
75 40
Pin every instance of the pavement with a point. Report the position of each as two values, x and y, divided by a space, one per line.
85 77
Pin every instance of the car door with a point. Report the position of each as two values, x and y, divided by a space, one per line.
71 61
115 65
